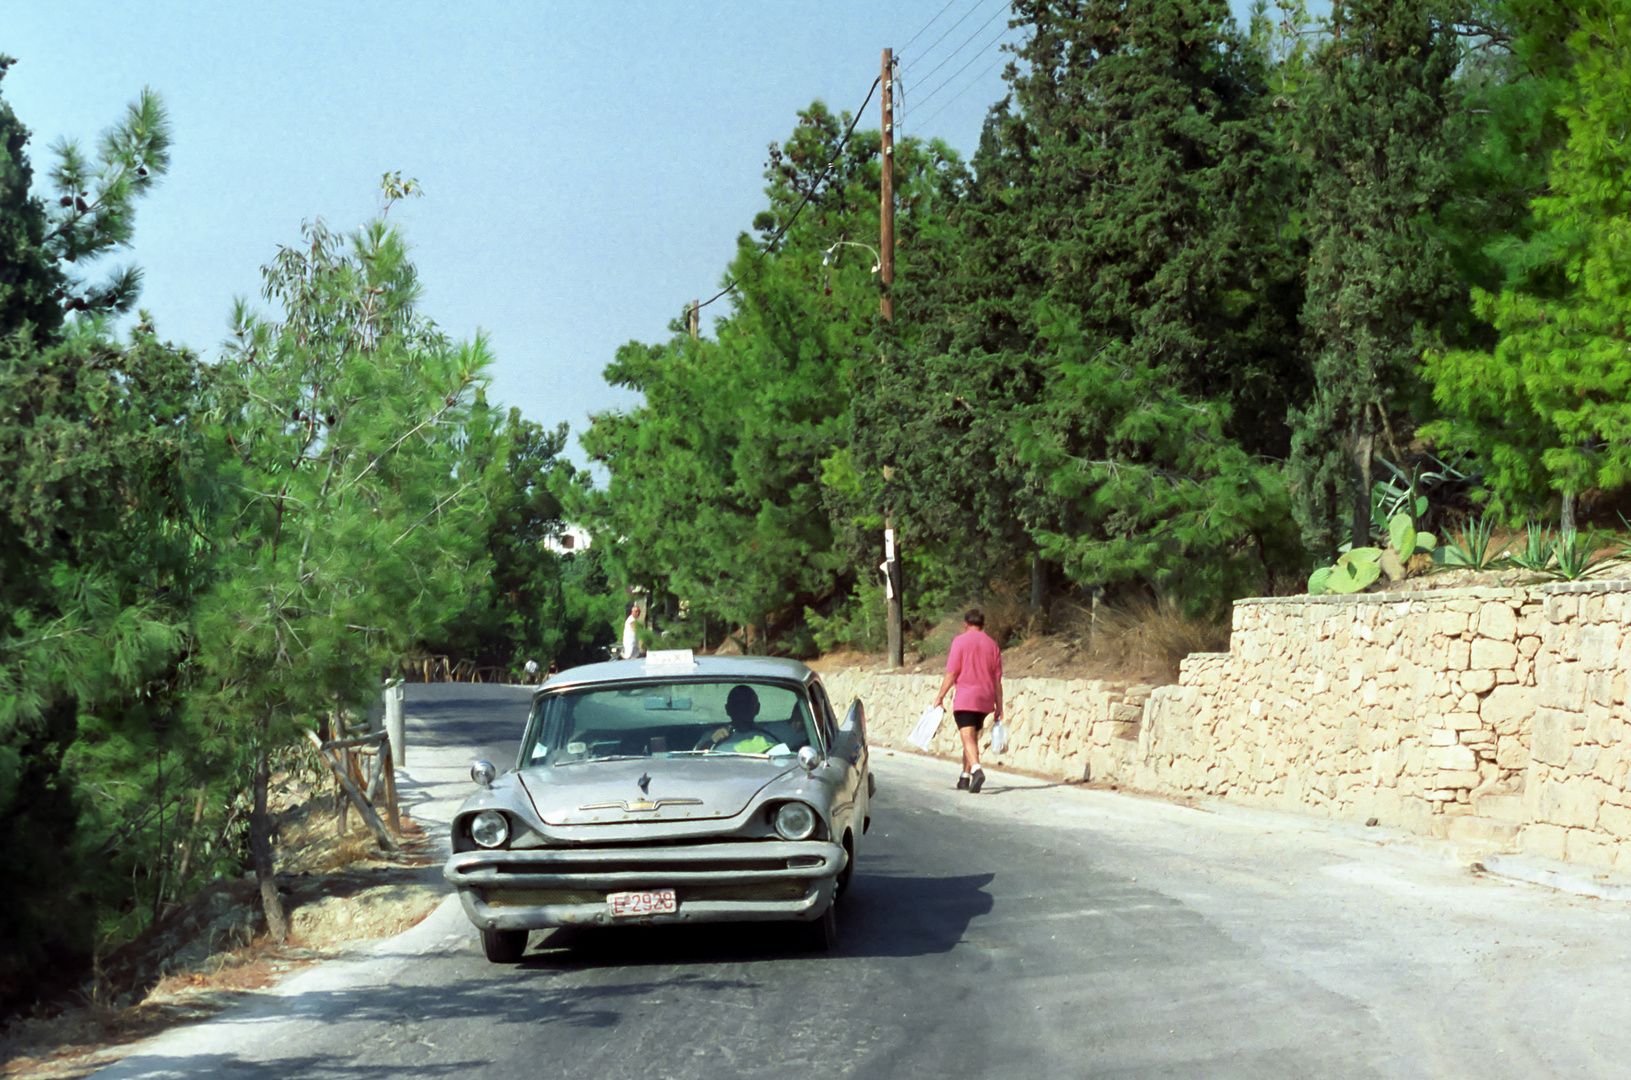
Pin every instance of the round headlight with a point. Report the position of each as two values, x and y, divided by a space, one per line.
795 821
489 828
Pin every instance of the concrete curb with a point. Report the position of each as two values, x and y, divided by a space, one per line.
1563 877
1570 880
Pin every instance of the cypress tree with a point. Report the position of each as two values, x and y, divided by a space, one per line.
1372 127
1164 309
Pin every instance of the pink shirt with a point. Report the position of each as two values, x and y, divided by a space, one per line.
976 663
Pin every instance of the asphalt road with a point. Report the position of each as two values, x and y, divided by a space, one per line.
1033 930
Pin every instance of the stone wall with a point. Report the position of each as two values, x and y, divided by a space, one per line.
1479 714
1490 715
1070 728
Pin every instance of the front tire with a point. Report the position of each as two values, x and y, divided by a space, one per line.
848 872
504 946
822 934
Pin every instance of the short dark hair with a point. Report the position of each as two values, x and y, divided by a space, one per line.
974 617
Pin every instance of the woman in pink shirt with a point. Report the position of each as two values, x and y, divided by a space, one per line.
974 675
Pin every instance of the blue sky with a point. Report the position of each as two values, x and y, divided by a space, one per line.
587 166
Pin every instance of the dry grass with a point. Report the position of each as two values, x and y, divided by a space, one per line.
136 993
1141 640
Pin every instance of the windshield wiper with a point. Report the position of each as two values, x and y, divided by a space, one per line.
614 757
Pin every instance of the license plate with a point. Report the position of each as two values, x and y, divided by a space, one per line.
654 902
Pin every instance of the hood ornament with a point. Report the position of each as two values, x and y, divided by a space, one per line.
645 783
640 806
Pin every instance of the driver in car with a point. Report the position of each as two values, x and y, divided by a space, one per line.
742 736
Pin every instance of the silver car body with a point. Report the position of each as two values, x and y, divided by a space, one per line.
699 823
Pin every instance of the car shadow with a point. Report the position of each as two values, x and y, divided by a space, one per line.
883 915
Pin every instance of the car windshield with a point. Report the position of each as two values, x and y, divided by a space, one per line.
733 717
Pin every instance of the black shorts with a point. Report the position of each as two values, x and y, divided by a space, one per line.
969 718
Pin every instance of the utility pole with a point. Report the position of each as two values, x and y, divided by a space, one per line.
886 200
886 308
695 317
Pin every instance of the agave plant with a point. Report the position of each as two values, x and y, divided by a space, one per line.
1537 551
1574 555
1473 550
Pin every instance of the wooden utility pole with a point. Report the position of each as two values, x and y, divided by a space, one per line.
886 307
886 200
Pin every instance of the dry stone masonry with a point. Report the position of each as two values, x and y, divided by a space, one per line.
1490 715
1072 728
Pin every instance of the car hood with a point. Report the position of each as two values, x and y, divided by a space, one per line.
677 789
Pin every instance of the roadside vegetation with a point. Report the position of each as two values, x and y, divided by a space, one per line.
1214 310
1210 310
201 560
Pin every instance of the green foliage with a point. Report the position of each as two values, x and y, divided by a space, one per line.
1405 541
857 623
1568 555
1174 501
521 610
30 276
349 534
1574 555
1060 383
354 519
1370 128
1547 408
100 557
95 207
715 488
1359 568
1536 553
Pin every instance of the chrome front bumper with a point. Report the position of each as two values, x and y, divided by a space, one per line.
726 882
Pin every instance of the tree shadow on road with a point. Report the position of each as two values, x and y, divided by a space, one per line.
884 915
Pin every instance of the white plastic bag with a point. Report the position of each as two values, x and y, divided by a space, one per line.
927 725
999 738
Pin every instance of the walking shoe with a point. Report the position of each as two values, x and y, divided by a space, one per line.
976 781
962 782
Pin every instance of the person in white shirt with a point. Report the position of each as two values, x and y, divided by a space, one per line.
631 637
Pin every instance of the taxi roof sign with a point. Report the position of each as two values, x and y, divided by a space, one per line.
670 660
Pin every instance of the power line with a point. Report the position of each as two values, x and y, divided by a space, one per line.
983 49
838 153
978 4
928 24
918 125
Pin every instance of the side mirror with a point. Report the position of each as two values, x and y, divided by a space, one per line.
808 757
483 772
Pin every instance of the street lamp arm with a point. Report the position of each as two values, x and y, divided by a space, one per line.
827 256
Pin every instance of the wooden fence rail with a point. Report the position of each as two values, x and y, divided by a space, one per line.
446 669
344 757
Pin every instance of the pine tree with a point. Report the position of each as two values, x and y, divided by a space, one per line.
352 534
1547 409
1145 204
98 554
715 481
30 277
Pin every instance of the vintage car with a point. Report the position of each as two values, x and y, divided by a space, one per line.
668 789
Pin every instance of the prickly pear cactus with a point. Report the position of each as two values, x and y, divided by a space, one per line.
1357 569
1404 543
